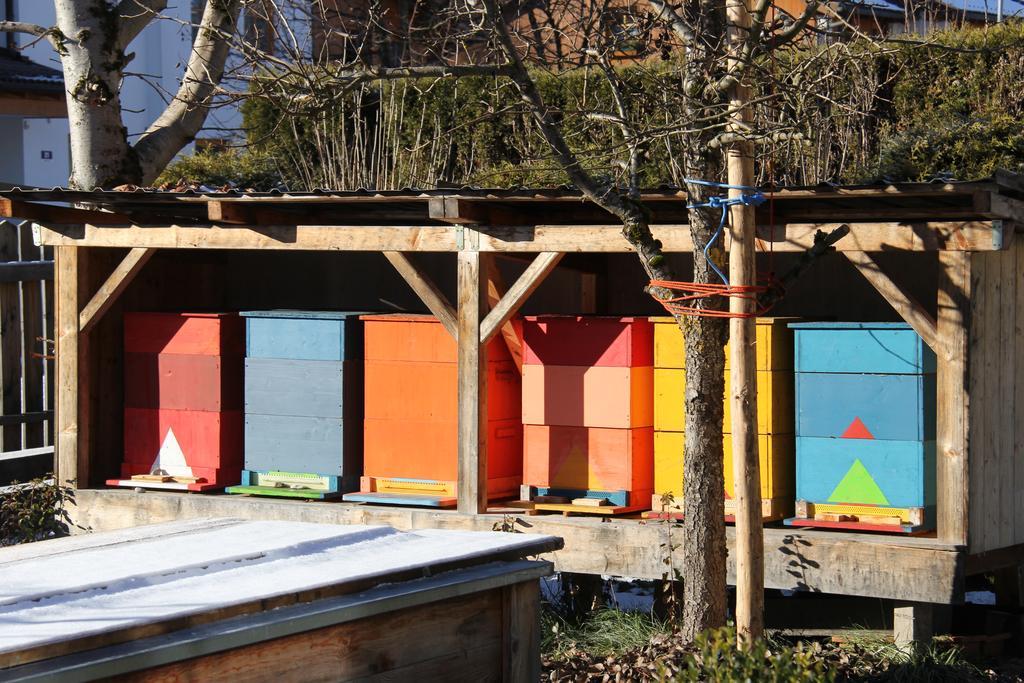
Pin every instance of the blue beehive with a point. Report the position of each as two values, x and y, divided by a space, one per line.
303 414
865 427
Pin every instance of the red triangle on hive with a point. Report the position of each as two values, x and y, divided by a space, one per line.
857 430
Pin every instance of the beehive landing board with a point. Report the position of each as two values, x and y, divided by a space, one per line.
76 593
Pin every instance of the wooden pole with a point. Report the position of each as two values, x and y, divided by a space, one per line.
472 409
66 432
742 358
952 426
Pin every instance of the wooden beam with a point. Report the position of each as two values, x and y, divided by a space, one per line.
457 211
952 428
518 293
472 409
796 237
248 213
26 271
26 418
906 305
815 560
67 366
426 290
108 292
496 289
49 213
991 204
39 106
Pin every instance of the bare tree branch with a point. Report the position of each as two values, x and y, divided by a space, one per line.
791 32
635 227
665 12
51 34
184 116
135 15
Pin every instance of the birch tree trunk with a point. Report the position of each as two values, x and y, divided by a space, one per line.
93 62
91 37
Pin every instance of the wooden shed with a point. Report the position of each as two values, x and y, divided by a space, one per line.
222 599
946 258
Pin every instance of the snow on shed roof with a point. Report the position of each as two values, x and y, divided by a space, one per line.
108 583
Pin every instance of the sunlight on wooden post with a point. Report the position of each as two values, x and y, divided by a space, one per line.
742 358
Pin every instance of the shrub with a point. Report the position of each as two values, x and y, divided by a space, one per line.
34 511
952 106
227 169
715 658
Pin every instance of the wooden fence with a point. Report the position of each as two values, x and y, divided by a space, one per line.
26 352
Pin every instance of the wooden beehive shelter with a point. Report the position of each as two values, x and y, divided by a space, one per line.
946 258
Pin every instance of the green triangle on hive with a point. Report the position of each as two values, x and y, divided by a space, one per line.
857 486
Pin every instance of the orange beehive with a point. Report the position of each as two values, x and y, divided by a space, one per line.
588 413
411 414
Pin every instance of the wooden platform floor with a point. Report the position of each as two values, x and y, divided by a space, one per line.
870 565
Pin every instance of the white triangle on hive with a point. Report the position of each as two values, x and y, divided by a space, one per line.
170 458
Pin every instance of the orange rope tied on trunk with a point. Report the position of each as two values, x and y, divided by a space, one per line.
689 293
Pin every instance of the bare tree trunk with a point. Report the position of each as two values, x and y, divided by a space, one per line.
704 552
93 64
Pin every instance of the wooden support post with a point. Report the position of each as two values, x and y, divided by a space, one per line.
912 622
70 454
909 309
108 292
472 288
425 289
742 374
953 399
521 633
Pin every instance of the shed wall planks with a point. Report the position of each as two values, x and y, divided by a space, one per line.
1018 395
995 466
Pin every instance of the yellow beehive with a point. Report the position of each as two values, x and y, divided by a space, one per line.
775 419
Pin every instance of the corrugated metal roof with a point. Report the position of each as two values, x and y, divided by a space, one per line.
949 200
987 8
563 192
978 10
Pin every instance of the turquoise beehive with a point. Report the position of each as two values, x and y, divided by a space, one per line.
865 427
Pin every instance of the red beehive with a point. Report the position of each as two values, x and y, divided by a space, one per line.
411 422
183 401
588 413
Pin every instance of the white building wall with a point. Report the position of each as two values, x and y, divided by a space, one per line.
46 151
12 161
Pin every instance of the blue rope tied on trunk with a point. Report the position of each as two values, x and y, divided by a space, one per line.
750 196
